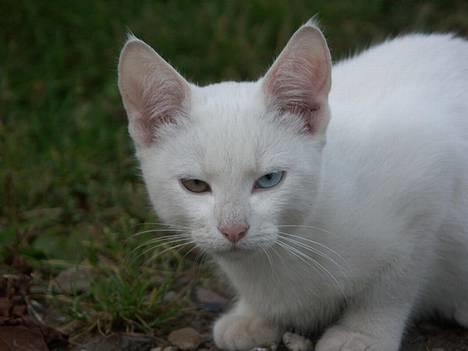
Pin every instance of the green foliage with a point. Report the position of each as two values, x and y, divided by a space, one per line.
128 286
68 177
128 299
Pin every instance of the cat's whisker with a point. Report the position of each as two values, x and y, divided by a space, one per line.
157 254
166 225
342 268
304 227
314 250
156 231
163 239
270 262
287 248
189 251
281 257
152 248
295 236
171 249
199 259
169 236
312 263
270 252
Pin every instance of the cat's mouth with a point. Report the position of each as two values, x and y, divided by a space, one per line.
235 248
235 251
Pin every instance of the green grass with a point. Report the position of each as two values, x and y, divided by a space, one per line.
70 190
121 299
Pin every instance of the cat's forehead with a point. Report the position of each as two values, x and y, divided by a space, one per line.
227 97
230 131
228 122
235 111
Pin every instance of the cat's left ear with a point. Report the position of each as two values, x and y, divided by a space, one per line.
152 91
300 79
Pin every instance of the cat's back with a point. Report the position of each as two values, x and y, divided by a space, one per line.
400 116
411 82
427 63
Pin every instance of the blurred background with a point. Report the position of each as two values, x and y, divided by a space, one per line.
71 197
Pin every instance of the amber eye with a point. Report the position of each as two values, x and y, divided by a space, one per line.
195 185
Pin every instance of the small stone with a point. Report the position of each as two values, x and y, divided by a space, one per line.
136 342
271 347
209 300
156 349
98 343
21 338
75 279
296 342
170 348
185 339
170 296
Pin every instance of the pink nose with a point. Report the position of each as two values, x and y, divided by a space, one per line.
233 232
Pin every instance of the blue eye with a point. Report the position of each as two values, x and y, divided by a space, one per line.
269 180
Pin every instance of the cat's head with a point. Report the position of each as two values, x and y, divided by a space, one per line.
233 161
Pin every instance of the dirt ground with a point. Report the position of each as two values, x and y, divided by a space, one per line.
21 331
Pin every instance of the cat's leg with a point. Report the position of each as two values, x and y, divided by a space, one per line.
375 320
241 329
352 334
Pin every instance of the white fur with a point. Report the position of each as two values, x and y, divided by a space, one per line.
386 199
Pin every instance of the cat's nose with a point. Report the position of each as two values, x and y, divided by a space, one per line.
234 232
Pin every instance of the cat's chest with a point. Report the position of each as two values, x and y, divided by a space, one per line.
298 305
290 292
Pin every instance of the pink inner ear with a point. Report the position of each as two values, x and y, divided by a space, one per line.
162 101
310 116
296 86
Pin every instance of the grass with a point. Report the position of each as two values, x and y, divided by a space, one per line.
122 300
70 187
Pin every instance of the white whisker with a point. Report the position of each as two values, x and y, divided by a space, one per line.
304 226
166 225
270 262
314 250
315 243
163 239
189 251
156 231
312 263
171 248
152 248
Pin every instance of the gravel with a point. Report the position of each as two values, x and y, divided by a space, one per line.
185 338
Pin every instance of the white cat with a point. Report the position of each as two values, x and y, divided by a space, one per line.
355 225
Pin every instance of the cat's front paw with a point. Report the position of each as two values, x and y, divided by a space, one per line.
240 332
340 339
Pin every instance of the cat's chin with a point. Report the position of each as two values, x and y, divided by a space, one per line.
233 252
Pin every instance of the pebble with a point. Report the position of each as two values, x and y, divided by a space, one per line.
170 348
209 300
170 296
185 339
117 342
296 342
74 279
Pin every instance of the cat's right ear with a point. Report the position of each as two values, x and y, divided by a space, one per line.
299 80
152 91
